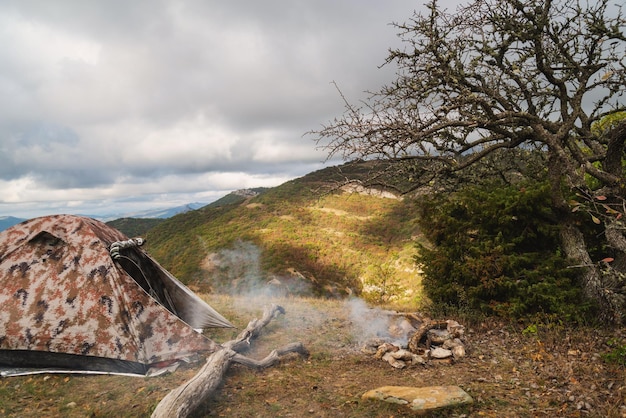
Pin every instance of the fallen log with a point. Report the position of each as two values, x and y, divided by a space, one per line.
183 400
421 334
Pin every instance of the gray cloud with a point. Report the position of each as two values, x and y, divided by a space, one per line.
107 103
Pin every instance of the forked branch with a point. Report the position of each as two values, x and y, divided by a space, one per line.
181 401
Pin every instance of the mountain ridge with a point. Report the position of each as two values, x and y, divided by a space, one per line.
308 236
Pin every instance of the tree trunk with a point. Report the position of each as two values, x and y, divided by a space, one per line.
594 287
574 246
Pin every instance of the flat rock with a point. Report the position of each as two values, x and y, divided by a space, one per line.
421 399
439 352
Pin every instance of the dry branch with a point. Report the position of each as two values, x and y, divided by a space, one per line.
272 358
181 401
243 340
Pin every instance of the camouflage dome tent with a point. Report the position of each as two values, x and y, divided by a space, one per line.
66 304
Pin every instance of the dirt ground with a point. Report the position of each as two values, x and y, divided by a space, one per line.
509 371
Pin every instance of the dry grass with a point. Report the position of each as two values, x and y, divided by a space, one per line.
551 372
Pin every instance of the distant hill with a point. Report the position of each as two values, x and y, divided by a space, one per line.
306 236
134 227
124 222
9 221
162 213
238 196
139 226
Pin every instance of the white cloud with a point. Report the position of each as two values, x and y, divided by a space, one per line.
150 102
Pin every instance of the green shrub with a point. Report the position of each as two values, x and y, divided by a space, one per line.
495 249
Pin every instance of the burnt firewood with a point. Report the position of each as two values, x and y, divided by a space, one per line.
421 332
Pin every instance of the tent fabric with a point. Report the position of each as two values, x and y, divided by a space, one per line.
64 302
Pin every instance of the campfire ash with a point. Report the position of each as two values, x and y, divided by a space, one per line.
405 339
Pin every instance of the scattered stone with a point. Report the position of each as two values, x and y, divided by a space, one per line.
402 354
455 329
438 336
440 353
407 356
385 348
371 345
399 357
450 344
70 405
417 359
389 358
458 351
421 399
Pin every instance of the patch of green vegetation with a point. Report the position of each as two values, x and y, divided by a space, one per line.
531 329
617 355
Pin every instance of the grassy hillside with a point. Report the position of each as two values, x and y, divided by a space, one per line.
303 236
134 227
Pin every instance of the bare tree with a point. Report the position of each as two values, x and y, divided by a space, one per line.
510 75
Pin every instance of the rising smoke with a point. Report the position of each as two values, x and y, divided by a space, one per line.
374 324
237 271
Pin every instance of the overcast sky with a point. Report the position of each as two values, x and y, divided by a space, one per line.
116 106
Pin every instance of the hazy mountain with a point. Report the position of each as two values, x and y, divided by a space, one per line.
162 213
9 221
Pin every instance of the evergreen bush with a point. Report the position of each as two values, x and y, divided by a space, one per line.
495 249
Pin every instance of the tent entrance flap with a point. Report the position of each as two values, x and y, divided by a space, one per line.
164 287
